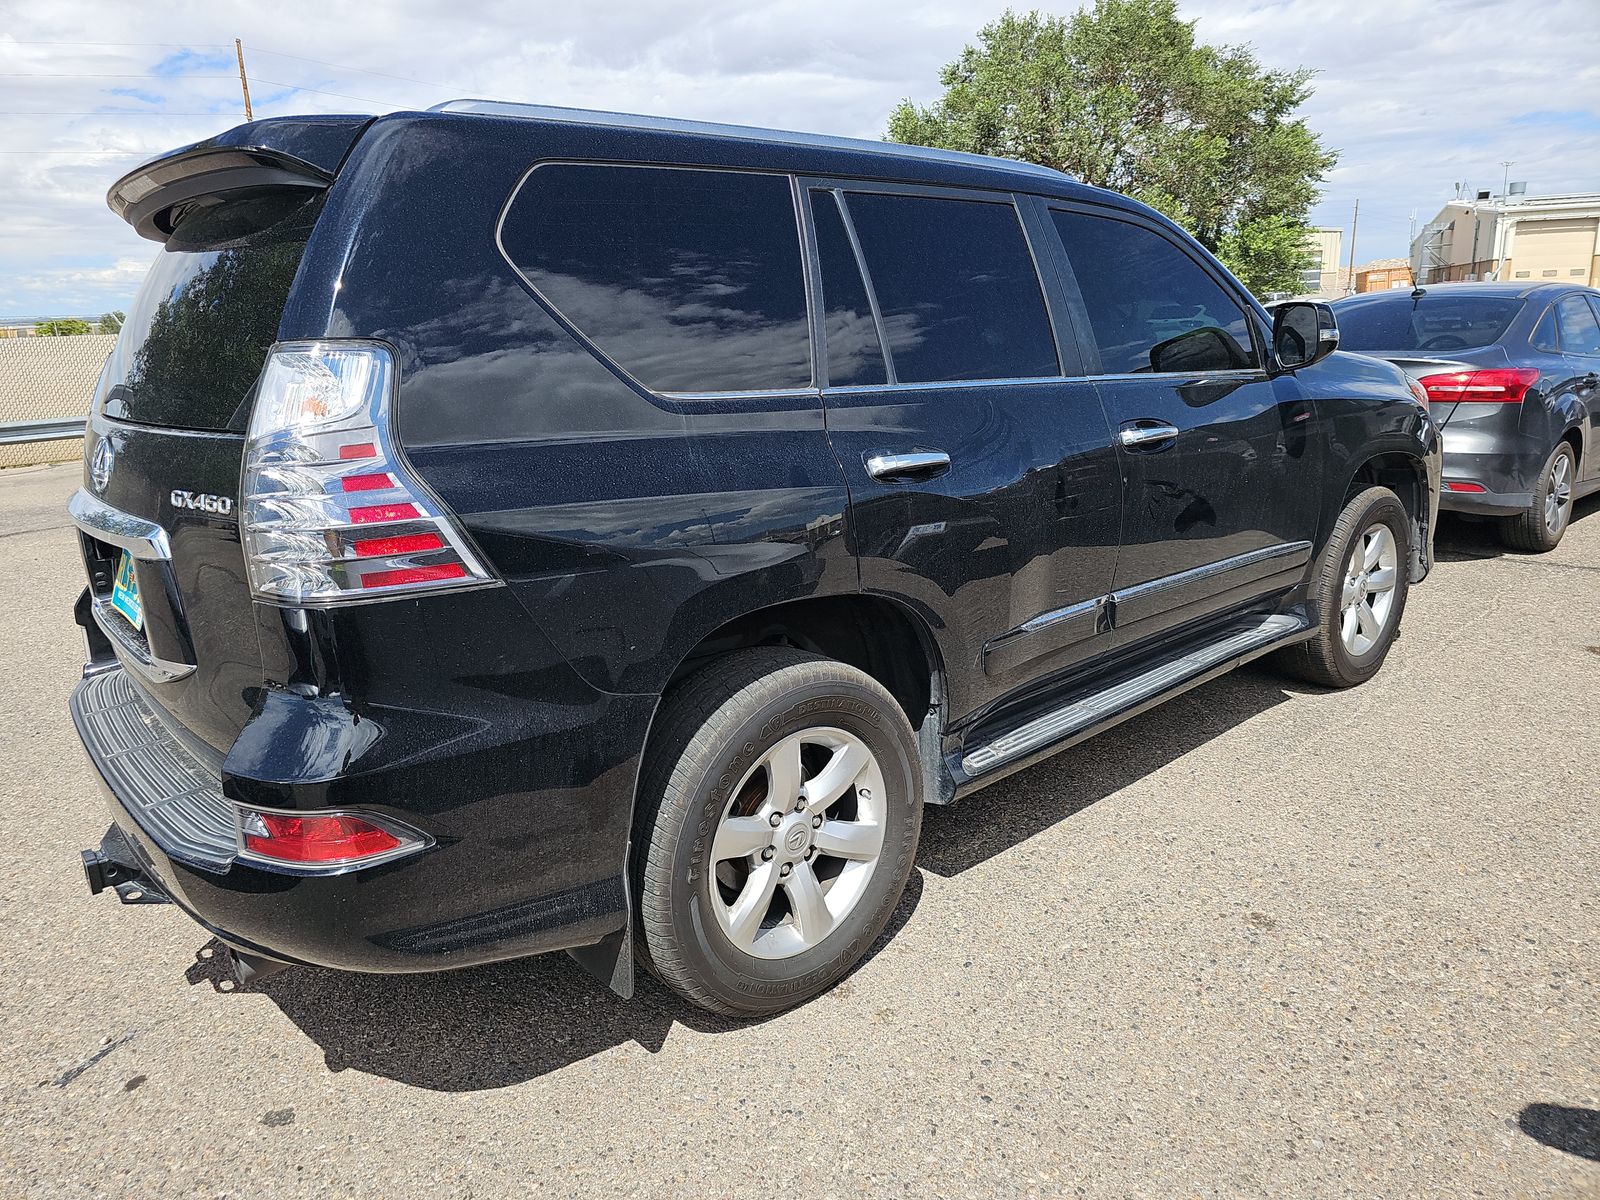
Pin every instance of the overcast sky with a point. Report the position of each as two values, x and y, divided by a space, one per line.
1415 95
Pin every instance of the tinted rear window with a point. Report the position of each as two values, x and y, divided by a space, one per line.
198 332
1433 323
854 353
956 287
691 280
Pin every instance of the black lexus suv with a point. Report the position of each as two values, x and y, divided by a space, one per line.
513 529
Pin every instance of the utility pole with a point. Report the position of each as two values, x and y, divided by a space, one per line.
244 84
1500 219
1350 285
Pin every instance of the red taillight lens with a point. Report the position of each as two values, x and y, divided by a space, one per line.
330 511
327 839
1461 485
1494 385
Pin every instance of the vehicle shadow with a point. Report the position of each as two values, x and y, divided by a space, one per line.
1013 810
482 1027
1574 1130
1459 540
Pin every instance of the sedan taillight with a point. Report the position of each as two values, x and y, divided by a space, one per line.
1492 385
330 511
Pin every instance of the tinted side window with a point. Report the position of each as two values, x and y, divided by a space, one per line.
1151 306
1580 334
854 353
1544 333
691 280
956 287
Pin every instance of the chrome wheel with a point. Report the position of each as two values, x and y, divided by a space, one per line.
1558 500
798 843
1370 578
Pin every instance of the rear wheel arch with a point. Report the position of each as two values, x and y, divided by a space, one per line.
874 634
1406 475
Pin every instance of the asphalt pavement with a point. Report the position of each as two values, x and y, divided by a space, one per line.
1264 941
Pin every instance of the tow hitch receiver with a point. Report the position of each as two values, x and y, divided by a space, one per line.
106 868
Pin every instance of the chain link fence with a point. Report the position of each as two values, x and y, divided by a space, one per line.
48 378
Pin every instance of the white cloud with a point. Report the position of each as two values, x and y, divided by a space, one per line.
1417 96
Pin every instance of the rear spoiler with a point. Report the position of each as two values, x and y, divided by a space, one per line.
284 152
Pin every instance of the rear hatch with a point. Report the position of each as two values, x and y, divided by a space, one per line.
165 440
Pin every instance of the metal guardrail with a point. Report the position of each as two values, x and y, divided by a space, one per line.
18 432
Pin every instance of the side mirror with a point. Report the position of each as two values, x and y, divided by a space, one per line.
1303 333
1205 349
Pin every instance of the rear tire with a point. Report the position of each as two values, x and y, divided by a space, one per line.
1359 586
779 810
1539 529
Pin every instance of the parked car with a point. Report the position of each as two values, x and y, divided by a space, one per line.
513 529
1512 371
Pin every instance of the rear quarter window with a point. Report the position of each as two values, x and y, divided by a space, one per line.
689 280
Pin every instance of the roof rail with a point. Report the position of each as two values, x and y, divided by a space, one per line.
823 141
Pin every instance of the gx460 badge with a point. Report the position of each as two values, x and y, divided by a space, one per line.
202 502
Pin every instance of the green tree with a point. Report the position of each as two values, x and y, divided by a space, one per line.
1124 97
111 322
60 327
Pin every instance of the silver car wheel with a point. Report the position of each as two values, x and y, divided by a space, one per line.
1367 600
798 843
1558 500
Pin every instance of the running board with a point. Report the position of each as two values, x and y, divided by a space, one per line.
1167 675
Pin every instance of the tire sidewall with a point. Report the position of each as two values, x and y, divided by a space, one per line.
1547 480
750 983
1387 509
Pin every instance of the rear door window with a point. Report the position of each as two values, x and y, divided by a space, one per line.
956 288
690 280
855 356
1151 307
1580 333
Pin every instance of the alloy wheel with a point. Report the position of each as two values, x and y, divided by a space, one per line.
1558 499
798 843
1367 600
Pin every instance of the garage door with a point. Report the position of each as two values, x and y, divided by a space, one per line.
1553 250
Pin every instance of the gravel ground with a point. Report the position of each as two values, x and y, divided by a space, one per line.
1261 942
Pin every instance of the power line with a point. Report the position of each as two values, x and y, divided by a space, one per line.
254 49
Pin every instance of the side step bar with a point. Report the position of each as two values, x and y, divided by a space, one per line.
1086 713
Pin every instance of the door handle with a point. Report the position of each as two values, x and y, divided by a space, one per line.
919 464
1146 433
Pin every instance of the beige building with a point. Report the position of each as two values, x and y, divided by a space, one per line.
1321 279
1537 238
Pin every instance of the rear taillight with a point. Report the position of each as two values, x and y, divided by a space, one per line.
330 512
323 840
1420 394
1493 385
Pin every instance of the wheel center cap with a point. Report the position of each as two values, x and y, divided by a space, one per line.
797 837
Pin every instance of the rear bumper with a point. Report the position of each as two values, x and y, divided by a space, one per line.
448 906
1504 464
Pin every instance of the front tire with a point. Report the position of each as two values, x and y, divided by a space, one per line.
1359 587
780 807
1539 529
